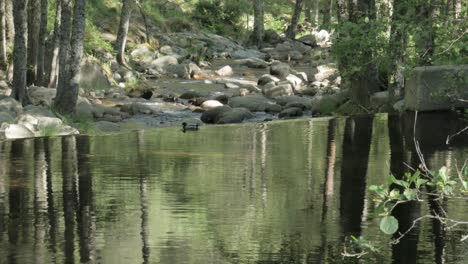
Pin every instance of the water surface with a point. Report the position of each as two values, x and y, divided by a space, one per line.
280 192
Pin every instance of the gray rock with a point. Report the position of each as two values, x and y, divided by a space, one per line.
225 71
239 82
252 63
142 53
326 72
291 100
378 99
267 78
278 90
37 123
14 131
210 104
235 115
231 86
291 112
41 95
255 103
328 103
248 53
280 70
309 40
93 76
6 117
190 95
163 62
433 88
212 116
10 105
295 81
84 110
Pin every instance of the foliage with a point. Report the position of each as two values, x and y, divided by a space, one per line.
437 184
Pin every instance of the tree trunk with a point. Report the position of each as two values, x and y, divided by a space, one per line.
34 22
42 43
291 32
425 45
258 22
326 10
20 52
340 10
308 10
54 64
67 92
3 46
398 43
122 34
145 20
65 34
10 26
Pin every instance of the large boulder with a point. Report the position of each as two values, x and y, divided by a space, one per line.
433 88
267 78
280 69
142 53
294 100
210 104
252 63
282 89
212 116
255 103
225 71
235 115
162 63
15 131
309 40
41 95
272 37
93 76
11 106
247 53
326 72
6 117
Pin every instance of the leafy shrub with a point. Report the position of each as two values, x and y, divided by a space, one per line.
220 16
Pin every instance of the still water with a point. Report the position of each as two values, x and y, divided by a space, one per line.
280 192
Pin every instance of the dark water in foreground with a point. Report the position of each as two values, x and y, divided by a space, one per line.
283 192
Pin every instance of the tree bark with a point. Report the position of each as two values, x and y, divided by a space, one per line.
65 35
42 43
20 52
291 32
122 34
54 63
425 45
3 41
10 25
308 10
326 10
34 23
258 22
67 94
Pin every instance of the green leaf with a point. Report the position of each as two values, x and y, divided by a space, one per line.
420 182
389 225
465 185
410 194
394 194
443 173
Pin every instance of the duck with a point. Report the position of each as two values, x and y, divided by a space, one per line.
187 127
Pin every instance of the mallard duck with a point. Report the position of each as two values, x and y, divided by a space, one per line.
187 127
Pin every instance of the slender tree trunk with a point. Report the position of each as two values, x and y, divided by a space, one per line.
308 10
398 43
326 10
122 34
340 10
67 94
145 20
457 8
258 22
54 62
3 41
425 45
10 26
42 43
65 34
291 32
317 12
20 52
34 22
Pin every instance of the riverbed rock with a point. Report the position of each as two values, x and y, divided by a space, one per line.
93 76
295 81
309 40
191 94
288 101
326 104
267 78
326 72
280 69
37 123
11 106
247 53
255 103
41 95
6 117
163 62
142 53
225 71
291 112
285 89
15 131
252 63
432 88
212 116
235 115
210 104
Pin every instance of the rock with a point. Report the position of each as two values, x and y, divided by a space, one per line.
231 86
190 95
6 117
310 90
255 103
239 82
107 127
327 104
163 62
65 131
178 71
270 36
142 53
399 106
378 99
210 104
93 76
326 72
303 76
291 100
252 63
13 131
37 123
222 98
278 90
4 85
225 71
10 105
309 40
212 116
235 115
295 81
247 53
267 78
291 112
280 70
433 88
41 95
84 110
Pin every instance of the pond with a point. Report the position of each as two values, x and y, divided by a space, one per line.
279 192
